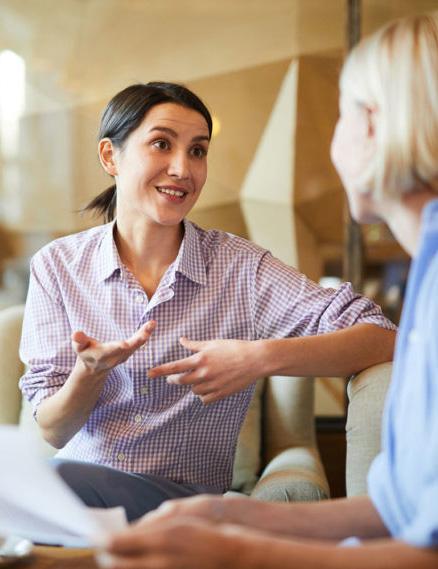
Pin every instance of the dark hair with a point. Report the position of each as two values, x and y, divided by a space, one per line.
125 112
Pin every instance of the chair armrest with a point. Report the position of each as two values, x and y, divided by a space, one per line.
366 394
294 475
11 368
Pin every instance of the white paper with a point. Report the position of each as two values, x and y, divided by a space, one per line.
37 504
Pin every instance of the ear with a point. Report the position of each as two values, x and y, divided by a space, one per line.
371 117
106 153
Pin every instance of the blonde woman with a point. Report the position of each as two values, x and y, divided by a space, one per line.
385 149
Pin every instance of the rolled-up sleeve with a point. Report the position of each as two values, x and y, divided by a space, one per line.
287 303
45 346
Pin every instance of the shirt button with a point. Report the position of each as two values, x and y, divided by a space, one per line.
144 390
137 418
121 457
139 298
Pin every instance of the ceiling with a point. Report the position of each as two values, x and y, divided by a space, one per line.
79 51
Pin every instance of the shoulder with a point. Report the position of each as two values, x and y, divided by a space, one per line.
214 242
71 248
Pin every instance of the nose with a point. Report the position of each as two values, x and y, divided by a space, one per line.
179 165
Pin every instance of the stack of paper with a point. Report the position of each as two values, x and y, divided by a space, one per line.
35 503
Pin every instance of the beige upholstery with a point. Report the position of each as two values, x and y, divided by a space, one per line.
276 459
366 393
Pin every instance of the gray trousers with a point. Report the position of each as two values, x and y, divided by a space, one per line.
104 487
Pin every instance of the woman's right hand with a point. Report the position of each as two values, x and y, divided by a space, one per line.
104 356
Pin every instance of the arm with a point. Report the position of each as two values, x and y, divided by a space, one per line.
321 331
219 368
184 542
327 520
66 373
62 415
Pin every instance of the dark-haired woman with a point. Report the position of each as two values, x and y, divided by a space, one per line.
126 440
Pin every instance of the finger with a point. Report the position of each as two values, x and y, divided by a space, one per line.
109 561
192 345
132 541
210 398
141 336
207 388
80 341
193 377
178 366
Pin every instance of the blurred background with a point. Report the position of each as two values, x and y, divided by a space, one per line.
268 72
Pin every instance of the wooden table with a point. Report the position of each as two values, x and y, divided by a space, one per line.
57 558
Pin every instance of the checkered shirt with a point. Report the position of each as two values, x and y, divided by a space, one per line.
219 286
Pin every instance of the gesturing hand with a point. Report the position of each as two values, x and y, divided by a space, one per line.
101 356
217 369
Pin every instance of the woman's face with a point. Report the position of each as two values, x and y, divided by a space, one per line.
352 149
162 167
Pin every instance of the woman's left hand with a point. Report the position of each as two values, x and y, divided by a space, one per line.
182 543
217 369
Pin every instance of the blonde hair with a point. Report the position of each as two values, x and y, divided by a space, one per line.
395 71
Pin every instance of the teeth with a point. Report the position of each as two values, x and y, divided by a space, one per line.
171 192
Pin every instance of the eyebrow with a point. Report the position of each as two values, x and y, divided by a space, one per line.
174 134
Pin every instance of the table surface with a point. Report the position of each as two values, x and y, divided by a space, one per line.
57 558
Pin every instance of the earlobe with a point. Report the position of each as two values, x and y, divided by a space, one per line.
106 156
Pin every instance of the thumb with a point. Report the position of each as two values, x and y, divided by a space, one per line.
191 345
80 341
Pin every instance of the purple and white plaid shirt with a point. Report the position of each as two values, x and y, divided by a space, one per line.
220 286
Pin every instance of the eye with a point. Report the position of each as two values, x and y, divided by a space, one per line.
161 144
198 151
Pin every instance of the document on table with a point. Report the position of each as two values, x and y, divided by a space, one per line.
35 503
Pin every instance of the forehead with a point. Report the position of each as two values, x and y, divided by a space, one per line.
176 117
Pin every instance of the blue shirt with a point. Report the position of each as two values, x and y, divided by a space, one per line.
403 480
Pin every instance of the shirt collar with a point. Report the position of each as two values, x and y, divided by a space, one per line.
189 262
108 257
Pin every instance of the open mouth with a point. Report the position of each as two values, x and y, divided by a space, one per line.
172 193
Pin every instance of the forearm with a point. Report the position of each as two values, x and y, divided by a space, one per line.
330 520
257 551
336 354
62 415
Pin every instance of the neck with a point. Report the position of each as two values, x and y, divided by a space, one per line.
403 217
148 249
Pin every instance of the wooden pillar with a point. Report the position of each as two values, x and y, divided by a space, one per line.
353 254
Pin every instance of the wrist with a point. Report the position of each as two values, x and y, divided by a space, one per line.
82 372
242 544
263 357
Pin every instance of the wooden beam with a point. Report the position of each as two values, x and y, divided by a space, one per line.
353 255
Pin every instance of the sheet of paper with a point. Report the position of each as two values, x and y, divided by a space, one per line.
37 504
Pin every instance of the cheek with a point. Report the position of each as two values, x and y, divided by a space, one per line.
340 150
200 175
351 150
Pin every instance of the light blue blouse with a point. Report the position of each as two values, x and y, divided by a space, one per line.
403 480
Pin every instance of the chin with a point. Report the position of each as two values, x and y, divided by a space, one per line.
363 211
366 217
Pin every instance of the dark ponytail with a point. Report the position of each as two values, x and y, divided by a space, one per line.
124 114
104 204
